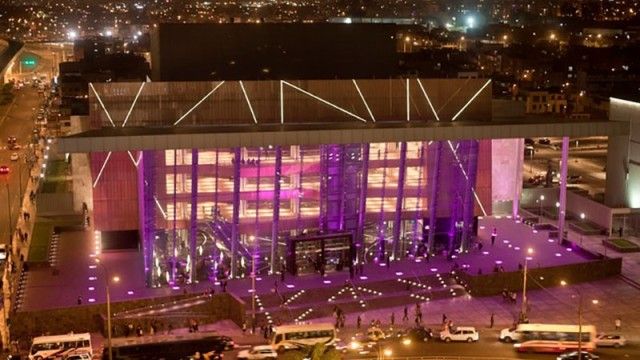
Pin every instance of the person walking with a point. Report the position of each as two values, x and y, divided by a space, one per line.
491 321
393 318
494 234
444 318
358 322
405 316
618 324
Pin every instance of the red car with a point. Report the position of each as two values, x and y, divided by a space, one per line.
4 169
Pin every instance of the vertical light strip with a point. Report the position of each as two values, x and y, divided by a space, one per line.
104 165
364 101
133 104
246 97
102 104
281 102
433 110
325 101
408 101
473 189
471 100
198 104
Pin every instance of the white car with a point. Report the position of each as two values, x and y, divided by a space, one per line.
611 340
3 252
509 335
14 156
460 333
258 352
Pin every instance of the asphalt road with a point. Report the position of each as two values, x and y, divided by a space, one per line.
15 120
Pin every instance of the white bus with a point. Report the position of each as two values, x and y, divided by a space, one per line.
57 346
554 338
292 336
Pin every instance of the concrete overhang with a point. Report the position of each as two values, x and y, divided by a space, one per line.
203 137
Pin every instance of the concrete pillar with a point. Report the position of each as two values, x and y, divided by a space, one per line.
517 188
362 208
235 221
276 209
433 178
616 192
563 187
193 228
399 199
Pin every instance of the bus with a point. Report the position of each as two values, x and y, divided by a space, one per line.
293 336
57 346
169 347
554 338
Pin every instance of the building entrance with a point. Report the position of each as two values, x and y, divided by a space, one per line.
309 254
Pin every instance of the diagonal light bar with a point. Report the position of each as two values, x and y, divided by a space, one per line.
102 104
364 101
408 101
433 110
246 97
135 162
325 101
473 189
133 104
104 165
198 104
471 100
164 214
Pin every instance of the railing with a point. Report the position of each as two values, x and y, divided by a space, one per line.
441 358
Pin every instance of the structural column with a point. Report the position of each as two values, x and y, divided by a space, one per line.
235 221
193 229
146 206
397 226
276 208
362 206
564 164
434 174
468 203
517 188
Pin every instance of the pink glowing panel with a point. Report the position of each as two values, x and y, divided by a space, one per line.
363 278
418 260
92 266
176 288
498 262
382 264
399 273
516 248
569 249
216 283
92 300
518 221
454 256
509 246
558 254
505 241
482 227
550 240
91 288
92 278
529 258
434 269
485 253
130 292
535 231
258 279
250 290
290 286
327 281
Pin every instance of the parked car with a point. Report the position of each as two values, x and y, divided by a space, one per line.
4 169
611 340
574 356
417 334
224 343
78 356
460 333
3 252
544 141
509 335
258 352
529 142
14 156
574 179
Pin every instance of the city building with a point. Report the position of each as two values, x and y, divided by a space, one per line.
544 101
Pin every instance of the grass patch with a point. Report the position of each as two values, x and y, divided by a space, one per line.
55 180
39 248
623 243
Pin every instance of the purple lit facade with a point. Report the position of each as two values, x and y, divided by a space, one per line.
207 211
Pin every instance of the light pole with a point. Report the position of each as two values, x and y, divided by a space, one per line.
595 302
115 279
541 200
523 311
253 291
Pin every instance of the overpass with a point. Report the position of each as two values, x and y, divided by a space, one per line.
9 55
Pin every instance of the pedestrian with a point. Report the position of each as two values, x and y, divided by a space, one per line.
393 318
169 328
244 327
494 234
79 300
480 245
139 331
618 324
405 315
282 272
620 231
388 261
444 318
358 322
491 321
224 286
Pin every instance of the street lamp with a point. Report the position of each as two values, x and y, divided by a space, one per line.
541 200
523 311
115 279
594 302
